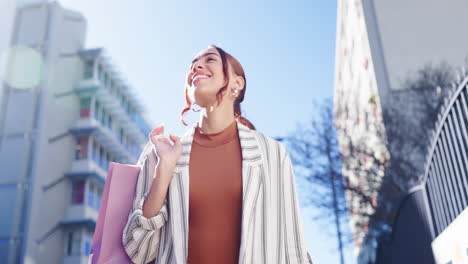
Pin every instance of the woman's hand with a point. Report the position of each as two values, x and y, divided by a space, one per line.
167 151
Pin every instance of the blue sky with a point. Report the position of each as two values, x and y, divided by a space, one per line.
287 49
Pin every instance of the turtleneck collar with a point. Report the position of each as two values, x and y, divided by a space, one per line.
216 139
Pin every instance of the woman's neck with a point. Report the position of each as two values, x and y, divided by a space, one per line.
215 121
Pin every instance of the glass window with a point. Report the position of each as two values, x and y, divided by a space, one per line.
95 150
78 192
76 243
90 195
69 243
121 134
88 70
101 155
109 121
73 247
104 118
101 114
81 150
97 107
108 159
85 104
87 246
98 198
77 148
100 72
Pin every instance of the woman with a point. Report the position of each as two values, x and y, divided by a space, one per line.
239 204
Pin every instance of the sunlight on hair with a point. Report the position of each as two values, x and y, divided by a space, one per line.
21 67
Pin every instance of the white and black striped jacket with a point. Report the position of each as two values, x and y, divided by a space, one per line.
272 230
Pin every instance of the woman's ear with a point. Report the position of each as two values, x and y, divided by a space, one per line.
239 82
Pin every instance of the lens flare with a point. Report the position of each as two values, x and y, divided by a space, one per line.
21 67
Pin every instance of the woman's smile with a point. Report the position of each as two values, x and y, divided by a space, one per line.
199 77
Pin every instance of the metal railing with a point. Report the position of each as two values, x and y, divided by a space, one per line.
427 209
446 168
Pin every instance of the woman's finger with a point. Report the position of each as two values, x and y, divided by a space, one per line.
156 131
173 138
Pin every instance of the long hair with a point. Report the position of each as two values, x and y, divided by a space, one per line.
237 68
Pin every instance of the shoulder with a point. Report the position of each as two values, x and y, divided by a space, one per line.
269 144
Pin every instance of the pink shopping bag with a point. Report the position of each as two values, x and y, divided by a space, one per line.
116 203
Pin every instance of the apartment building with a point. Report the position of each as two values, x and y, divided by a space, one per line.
58 135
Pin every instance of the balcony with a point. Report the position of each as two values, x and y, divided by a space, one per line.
87 168
87 87
80 214
94 87
105 136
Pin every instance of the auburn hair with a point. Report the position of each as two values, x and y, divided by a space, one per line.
226 59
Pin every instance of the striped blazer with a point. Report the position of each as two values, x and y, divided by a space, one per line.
272 230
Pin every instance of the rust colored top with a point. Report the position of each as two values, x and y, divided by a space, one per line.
215 197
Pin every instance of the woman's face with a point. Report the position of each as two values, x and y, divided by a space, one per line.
205 77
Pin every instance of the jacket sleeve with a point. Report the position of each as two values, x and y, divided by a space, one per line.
295 247
141 235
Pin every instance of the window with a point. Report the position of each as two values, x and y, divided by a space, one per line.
109 121
81 150
87 246
74 243
95 151
121 135
94 195
89 69
77 148
85 104
101 114
104 118
101 155
107 160
97 107
90 201
78 192
99 197
100 72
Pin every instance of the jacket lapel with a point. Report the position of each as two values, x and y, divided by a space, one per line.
251 182
179 188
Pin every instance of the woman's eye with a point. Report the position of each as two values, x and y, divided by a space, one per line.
210 59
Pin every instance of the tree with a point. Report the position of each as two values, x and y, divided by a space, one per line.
314 152
408 117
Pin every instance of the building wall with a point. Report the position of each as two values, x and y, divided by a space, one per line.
379 45
357 114
33 117
64 35
7 14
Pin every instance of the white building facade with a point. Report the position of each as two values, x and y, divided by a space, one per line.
58 137
379 44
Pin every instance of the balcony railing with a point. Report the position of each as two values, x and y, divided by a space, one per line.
106 137
95 87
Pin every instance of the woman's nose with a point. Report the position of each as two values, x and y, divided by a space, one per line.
198 65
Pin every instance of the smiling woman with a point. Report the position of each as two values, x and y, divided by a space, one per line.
223 70
232 186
